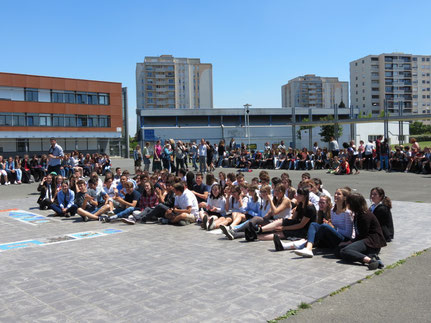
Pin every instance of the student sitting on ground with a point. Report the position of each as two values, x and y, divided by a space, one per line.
127 204
330 233
369 237
89 202
47 193
294 227
186 207
381 208
148 201
65 202
214 214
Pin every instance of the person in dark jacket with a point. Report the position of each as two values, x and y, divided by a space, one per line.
368 239
381 208
47 192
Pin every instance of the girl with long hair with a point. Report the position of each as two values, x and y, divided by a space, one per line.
369 237
381 208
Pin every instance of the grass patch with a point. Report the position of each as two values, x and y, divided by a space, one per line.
378 272
419 202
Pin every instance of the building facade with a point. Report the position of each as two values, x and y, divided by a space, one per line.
82 114
401 81
265 124
167 82
314 91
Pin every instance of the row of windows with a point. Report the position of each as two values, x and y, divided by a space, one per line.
53 120
69 97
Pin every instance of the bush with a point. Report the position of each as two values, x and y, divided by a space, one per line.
420 138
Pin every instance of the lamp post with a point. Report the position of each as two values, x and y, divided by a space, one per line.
247 122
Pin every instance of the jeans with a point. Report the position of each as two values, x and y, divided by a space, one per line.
56 208
384 160
123 213
202 164
325 234
357 251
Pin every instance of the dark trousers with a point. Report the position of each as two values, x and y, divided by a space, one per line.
44 204
54 169
357 251
369 161
158 212
56 208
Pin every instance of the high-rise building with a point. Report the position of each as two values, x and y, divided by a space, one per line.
402 81
175 83
314 91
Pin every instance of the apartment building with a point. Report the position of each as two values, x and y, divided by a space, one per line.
82 114
315 92
401 81
173 83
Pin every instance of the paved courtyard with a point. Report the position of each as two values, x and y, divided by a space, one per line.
64 270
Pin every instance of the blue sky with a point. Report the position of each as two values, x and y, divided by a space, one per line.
255 46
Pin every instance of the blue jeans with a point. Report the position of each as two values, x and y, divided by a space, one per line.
384 160
325 234
123 213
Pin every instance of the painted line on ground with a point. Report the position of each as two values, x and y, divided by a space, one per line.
58 239
28 217
7 210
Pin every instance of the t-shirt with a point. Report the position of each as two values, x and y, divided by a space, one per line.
134 196
79 198
187 199
310 212
201 189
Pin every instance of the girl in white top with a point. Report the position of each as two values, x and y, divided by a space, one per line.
214 216
235 202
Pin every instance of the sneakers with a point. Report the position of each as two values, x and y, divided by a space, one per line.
204 222
210 224
377 258
373 264
7 183
277 243
110 213
84 218
227 232
182 223
104 219
130 220
304 253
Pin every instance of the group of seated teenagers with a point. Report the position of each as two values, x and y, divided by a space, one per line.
17 170
265 209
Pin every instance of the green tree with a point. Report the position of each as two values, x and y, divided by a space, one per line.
418 128
303 127
329 131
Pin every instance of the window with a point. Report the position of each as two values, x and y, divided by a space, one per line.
31 95
45 120
5 119
92 98
18 119
104 121
69 97
57 97
70 120
81 121
32 120
81 98
104 98
58 120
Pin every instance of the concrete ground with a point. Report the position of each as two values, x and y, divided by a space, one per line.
183 274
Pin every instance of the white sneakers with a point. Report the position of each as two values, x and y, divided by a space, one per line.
304 253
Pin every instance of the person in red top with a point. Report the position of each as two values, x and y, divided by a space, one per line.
26 169
344 168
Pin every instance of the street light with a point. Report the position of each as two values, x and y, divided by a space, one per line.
247 122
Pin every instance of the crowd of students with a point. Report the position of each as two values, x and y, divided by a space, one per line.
369 156
17 170
298 219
